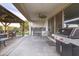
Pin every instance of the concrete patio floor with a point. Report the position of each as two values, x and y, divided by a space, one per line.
9 42
33 46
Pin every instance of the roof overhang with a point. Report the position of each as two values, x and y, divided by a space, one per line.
72 21
72 11
8 17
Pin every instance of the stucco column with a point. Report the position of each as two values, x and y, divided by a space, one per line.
54 24
59 20
30 30
62 18
47 25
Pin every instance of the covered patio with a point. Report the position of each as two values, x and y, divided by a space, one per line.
8 37
7 17
46 37
31 46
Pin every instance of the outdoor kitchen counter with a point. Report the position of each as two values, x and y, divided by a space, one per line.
61 38
75 42
64 39
66 46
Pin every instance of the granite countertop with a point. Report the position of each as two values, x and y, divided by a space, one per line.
64 39
75 42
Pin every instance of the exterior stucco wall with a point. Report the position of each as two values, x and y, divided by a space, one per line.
51 26
55 23
39 25
59 20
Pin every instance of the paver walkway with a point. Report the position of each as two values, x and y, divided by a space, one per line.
34 46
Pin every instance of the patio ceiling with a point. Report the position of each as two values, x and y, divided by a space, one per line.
8 17
32 11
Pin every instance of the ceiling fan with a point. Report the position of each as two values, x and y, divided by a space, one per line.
41 15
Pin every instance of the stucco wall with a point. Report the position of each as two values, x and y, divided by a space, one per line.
58 21
39 24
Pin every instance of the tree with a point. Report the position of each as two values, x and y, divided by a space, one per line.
1 28
16 29
26 25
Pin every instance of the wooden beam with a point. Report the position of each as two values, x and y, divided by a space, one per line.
2 23
5 25
11 18
8 24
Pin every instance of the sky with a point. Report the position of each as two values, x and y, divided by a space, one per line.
13 25
14 10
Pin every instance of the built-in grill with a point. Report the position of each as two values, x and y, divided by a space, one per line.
67 41
65 31
72 33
